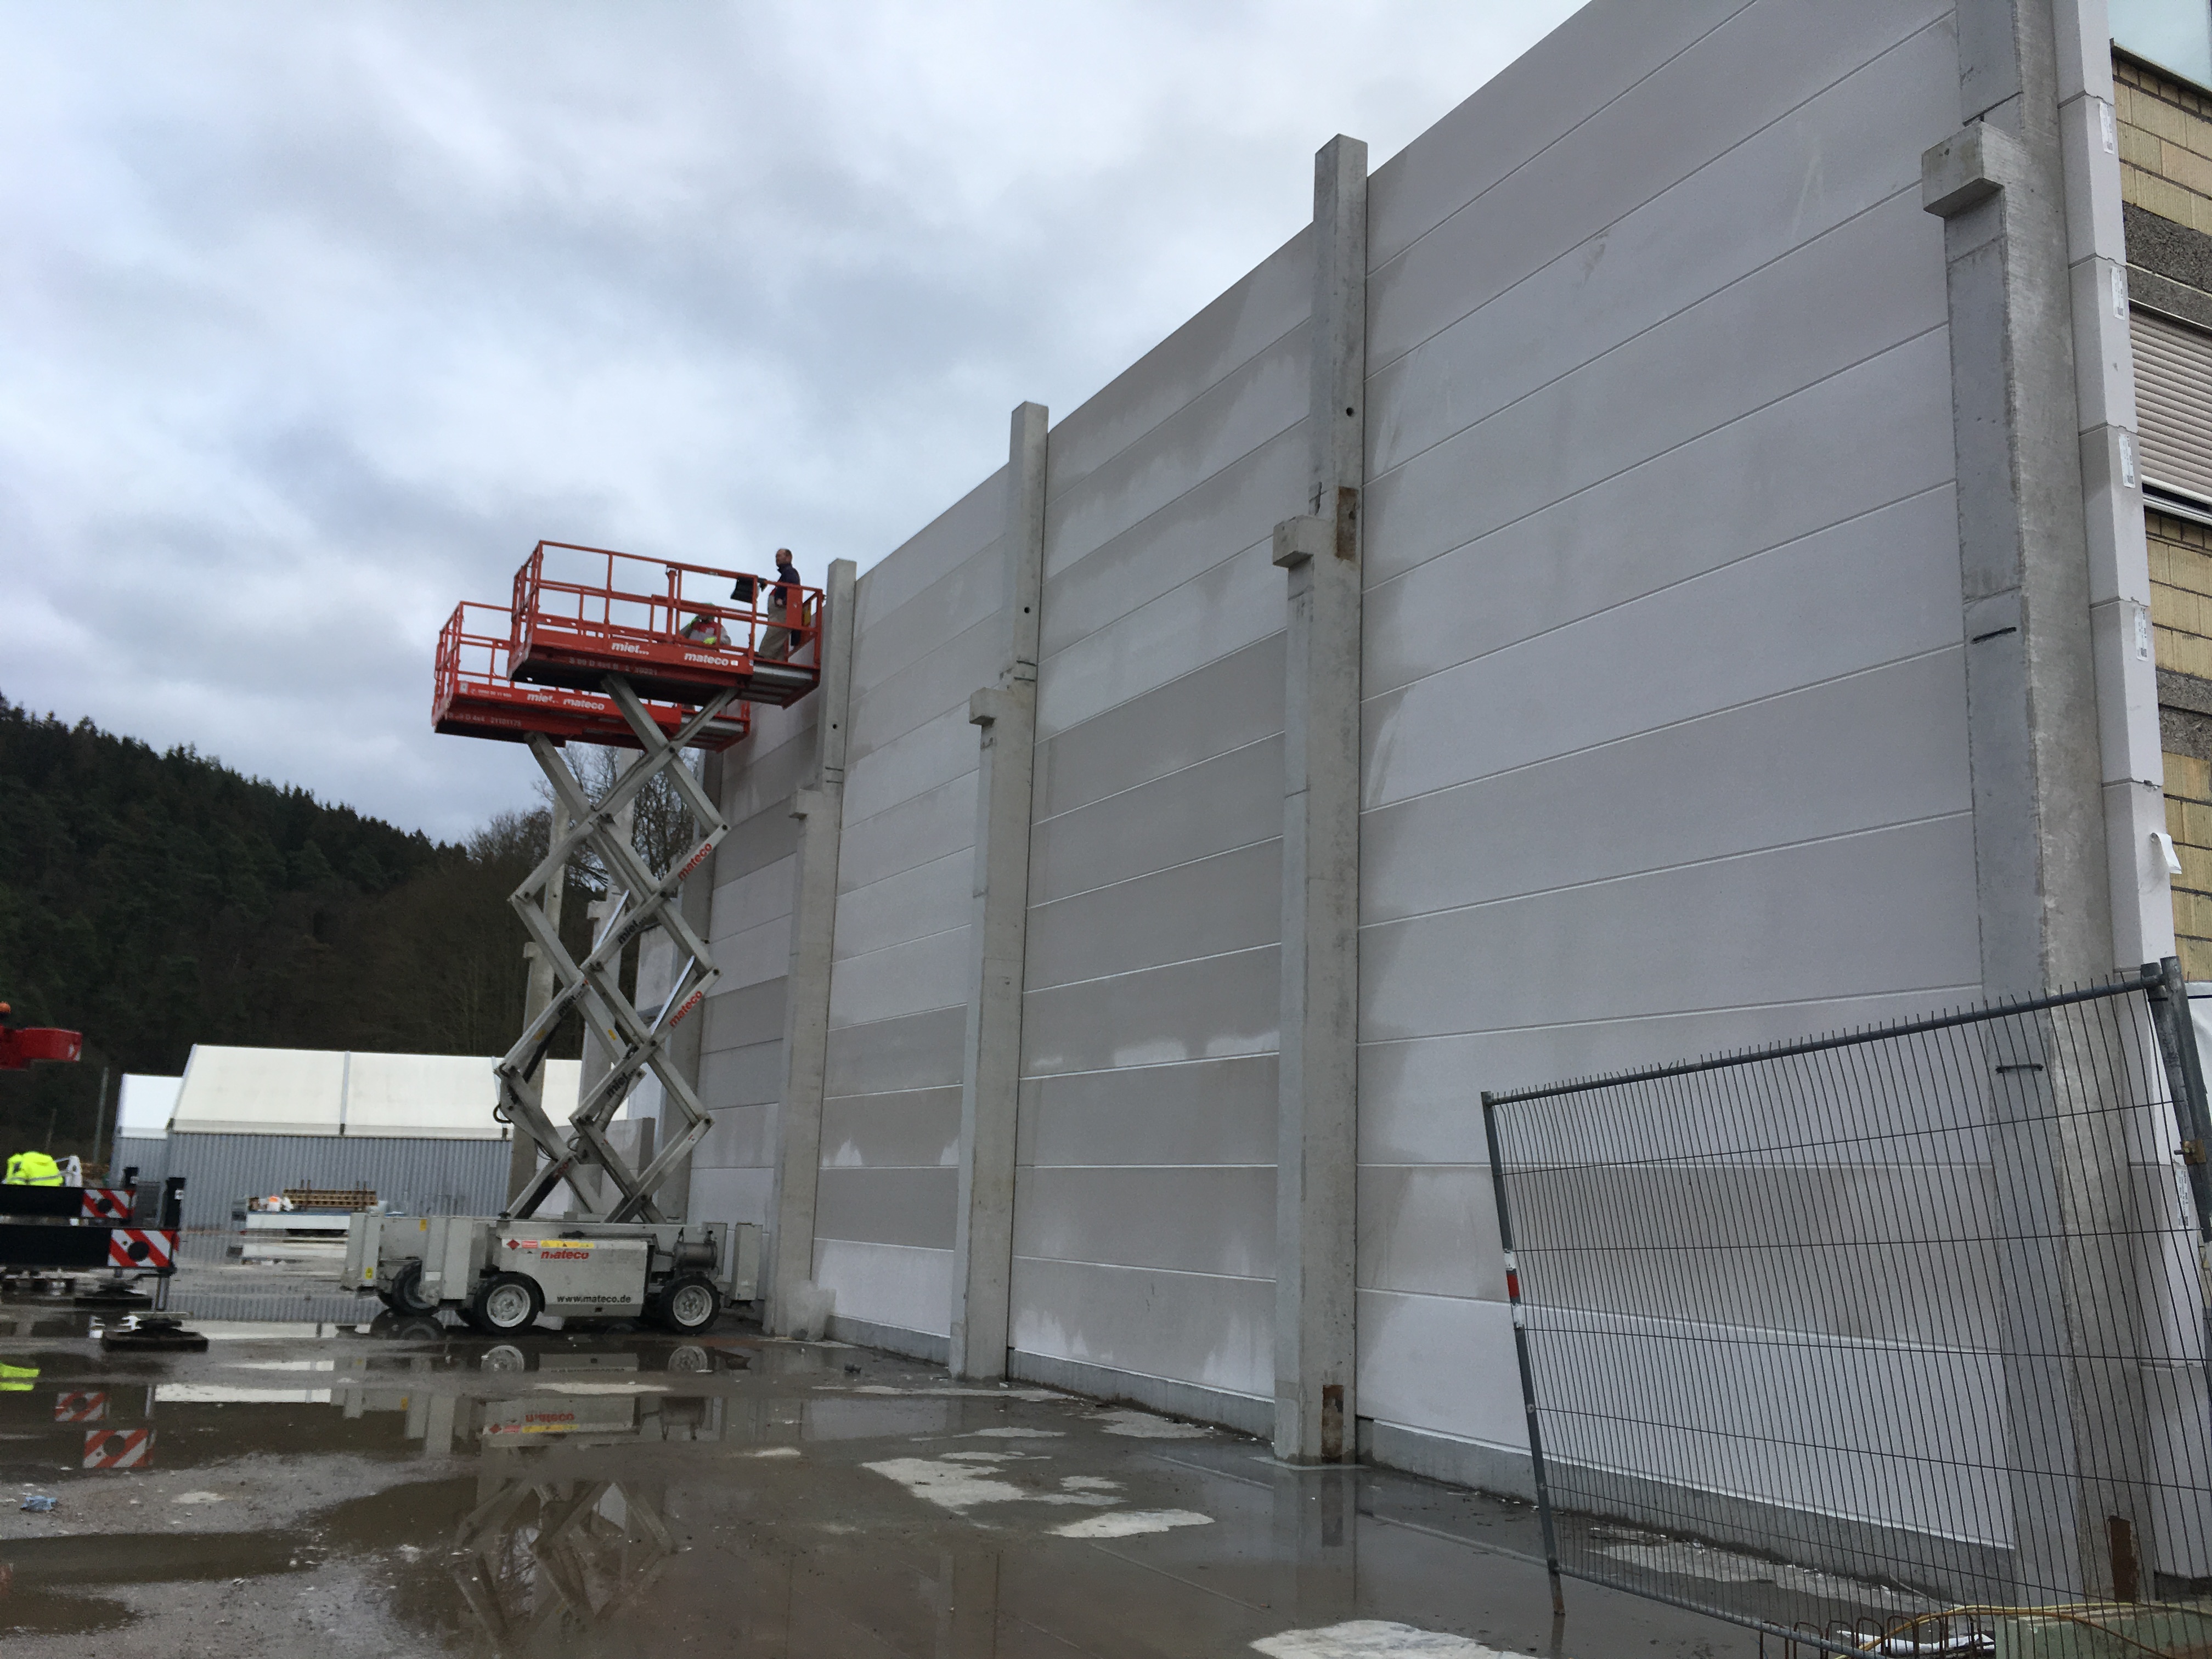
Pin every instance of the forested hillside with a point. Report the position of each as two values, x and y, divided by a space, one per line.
152 901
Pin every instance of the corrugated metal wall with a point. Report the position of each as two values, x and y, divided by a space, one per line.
147 1154
418 1177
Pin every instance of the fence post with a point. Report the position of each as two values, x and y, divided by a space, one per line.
2185 1078
1521 1353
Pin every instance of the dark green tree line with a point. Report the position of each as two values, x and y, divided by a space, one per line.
155 900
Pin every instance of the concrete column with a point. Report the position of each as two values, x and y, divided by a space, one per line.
2133 771
820 810
696 906
998 929
1316 1182
2042 543
521 1150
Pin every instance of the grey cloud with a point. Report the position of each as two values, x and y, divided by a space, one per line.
319 316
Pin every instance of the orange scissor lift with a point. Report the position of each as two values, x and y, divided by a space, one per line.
654 654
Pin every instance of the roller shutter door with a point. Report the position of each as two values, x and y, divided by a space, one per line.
2173 403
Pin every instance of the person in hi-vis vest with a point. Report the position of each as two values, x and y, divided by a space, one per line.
33 1169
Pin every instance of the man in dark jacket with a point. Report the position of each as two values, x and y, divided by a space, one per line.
783 602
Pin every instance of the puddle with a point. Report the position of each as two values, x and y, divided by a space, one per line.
411 1488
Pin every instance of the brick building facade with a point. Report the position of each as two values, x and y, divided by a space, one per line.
2166 171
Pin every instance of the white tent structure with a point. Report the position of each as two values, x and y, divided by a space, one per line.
418 1130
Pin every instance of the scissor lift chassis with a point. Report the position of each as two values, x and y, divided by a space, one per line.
570 1269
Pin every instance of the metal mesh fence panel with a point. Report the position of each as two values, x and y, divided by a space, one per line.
1892 1341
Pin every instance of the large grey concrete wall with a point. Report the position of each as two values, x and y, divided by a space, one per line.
1664 742
927 634
741 1040
1665 739
1144 1209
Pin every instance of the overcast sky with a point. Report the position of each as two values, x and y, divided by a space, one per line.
316 317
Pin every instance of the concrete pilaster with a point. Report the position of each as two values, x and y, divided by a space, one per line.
521 1150
2132 770
1318 1124
696 906
2044 547
983 1238
820 810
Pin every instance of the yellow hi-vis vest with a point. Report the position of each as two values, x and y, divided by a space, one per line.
33 1169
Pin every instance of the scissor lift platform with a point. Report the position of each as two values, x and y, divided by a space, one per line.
475 697
679 633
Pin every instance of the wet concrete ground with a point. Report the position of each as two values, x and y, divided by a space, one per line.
405 1489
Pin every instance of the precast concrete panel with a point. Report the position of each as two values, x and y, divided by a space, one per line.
1774 476
1608 158
1217 805
1860 915
914 1129
915 1051
1254 314
1206 907
1228 704
1195 531
1207 1009
750 1076
1213 1333
1883 746
909 904
1664 737
942 611
901 1287
936 824
1690 243
1430 1228
930 755
926 688
889 983
1414 1091
876 1205
905 577
1213 1220
1868 592
751 1014
1582 66
1857 290
1229 423
1189 1112
1235 604
748 900
754 957
732 1194
1442 1364
738 1139
927 634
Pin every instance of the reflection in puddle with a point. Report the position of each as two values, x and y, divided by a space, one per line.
557 1552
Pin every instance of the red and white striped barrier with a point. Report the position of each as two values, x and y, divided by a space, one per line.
107 1204
141 1247
81 1407
119 1448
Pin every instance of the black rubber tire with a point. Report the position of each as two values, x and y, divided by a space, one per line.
406 1295
687 1305
495 1307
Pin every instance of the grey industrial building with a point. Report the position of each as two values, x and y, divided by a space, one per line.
1658 566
